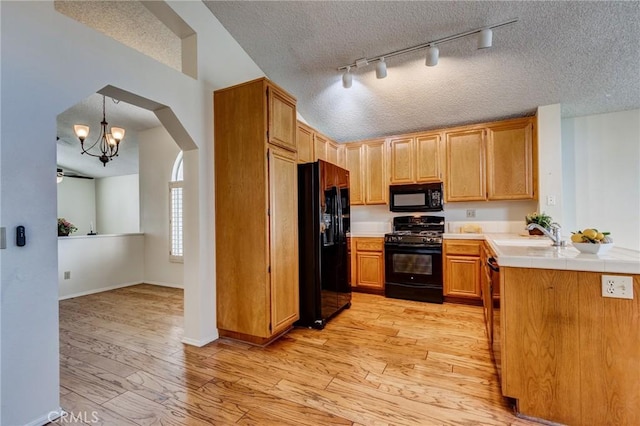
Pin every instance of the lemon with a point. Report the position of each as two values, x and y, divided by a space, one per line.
590 233
600 236
576 238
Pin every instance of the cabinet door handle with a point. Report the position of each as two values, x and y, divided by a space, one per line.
493 264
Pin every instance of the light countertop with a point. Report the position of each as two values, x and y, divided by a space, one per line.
518 251
369 229
78 237
366 234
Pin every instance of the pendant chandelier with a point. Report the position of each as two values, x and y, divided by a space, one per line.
108 141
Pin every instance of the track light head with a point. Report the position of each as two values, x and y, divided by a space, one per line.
347 78
381 68
432 56
485 38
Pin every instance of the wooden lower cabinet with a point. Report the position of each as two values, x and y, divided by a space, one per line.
367 264
570 355
462 270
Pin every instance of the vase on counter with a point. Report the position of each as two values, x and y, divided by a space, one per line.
63 234
535 232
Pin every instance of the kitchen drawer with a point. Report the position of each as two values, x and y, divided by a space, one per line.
463 248
370 244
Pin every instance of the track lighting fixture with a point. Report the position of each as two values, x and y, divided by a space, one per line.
485 40
432 56
381 68
347 78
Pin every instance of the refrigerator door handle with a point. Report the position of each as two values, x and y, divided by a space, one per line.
339 214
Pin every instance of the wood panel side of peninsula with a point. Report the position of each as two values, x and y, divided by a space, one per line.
570 355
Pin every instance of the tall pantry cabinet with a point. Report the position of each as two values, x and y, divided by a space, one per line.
256 211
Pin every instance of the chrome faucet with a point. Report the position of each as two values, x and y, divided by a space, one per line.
556 237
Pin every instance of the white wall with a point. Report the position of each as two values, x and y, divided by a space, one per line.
158 153
118 205
31 97
77 203
601 162
485 211
99 263
550 173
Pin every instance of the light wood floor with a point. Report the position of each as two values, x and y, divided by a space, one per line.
383 361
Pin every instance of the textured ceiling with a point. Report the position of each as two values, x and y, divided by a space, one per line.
583 55
130 23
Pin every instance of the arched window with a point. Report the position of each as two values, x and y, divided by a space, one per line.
175 211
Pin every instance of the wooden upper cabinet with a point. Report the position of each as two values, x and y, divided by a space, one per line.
414 159
353 163
465 166
305 143
332 152
403 159
342 159
376 184
282 119
320 147
428 158
510 161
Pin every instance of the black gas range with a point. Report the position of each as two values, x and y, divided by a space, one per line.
413 259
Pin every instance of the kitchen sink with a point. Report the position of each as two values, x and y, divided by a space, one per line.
524 243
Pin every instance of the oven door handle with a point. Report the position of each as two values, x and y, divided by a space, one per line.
414 249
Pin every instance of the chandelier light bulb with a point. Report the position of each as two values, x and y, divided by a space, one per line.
111 140
81 131
433 54
381 69
117 133
347 78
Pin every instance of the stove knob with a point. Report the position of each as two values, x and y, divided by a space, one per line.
425 239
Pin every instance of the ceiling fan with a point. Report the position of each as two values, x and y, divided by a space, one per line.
60 174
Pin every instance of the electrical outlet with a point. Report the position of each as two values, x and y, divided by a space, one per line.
551 200
617 286
67 275
471 212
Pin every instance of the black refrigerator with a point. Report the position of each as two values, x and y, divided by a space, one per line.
323 220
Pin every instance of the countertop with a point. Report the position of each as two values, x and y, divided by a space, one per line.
369 229
518 251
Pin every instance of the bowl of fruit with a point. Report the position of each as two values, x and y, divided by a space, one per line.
591 241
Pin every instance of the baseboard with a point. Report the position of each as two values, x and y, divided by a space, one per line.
161 284
200 343
99 290
47 418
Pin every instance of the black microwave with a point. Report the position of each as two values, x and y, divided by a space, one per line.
422 197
